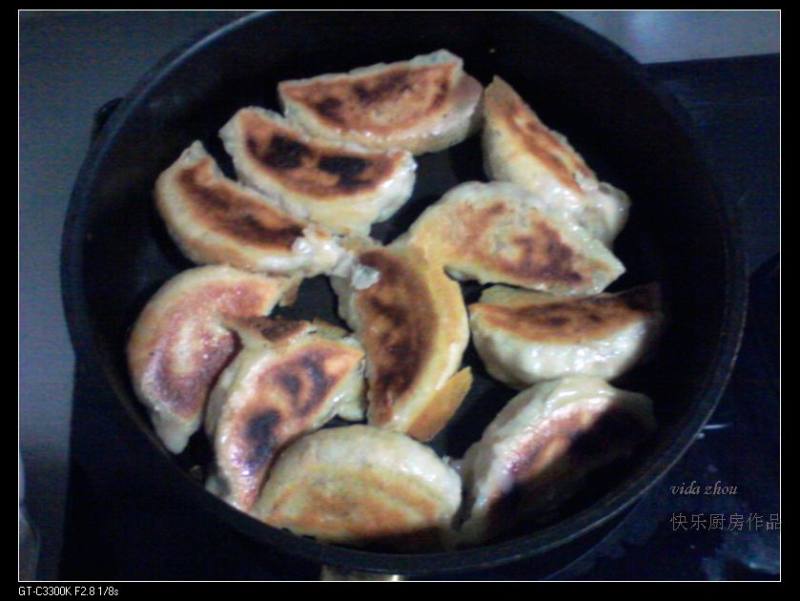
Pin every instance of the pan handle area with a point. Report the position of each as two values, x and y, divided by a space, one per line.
102 115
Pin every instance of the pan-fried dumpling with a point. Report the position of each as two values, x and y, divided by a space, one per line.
422 105
525 337
413 325
494 233
216 220
341 186
358 485
180 343
290 378
519 148
539 449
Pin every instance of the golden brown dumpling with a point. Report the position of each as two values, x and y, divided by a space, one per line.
495 233
413 325
422 105
290 378
360 484
344 187
218 221
525 337
537 452
180 343
519 148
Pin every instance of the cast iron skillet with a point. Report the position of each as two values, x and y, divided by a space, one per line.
116 252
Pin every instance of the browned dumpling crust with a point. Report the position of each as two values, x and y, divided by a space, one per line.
549 318
422 105
526 337
495 233
215 220
519 148
341 186
412 323
539 449
292 377
358 485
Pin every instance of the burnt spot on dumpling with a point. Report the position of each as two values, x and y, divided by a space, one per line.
223 207
282 152
347 168
383 87
556 322
261 438
396 316
274 330
329 107
290 383
304 380
321 382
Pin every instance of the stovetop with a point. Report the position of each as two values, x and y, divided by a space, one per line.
715 515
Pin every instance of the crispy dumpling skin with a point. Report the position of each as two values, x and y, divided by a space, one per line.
291 377
413 325
539 449
180 344
519 148
344 187
422 105
358 485
215 220
495 233
524 337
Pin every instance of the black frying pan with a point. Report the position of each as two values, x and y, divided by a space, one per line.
116 252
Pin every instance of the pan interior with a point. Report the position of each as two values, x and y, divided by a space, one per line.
579 86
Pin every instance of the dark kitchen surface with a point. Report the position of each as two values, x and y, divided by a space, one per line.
124 523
